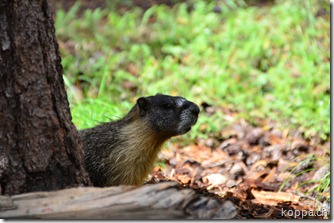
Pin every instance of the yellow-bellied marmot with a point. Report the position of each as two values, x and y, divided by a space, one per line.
124 151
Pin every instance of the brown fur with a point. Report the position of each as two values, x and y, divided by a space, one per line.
143 150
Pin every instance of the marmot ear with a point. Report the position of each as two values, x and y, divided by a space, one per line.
143 105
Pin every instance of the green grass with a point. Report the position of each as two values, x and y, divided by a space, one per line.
318 188
268 63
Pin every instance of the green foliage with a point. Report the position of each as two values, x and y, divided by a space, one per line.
265 62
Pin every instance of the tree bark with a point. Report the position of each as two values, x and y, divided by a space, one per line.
39 145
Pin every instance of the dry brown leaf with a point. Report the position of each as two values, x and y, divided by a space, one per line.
275 139
284 176
270 175
257 175
185 179
258 163
214 179
267 196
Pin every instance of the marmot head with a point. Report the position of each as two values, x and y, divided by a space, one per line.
168 115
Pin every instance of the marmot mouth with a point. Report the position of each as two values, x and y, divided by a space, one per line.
189 128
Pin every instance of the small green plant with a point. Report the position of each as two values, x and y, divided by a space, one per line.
319 188
294 172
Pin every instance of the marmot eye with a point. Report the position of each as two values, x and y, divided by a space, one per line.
168 105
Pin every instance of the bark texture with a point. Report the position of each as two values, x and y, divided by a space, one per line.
39 145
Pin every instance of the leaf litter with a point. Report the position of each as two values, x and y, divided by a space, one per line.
265 172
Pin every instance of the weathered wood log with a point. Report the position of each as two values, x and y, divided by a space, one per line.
154 201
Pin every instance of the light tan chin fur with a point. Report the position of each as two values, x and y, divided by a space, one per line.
136 155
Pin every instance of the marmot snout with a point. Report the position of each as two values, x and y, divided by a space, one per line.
167 115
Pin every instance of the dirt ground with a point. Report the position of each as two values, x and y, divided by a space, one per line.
260 169
248 165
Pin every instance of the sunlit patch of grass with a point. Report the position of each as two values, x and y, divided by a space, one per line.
265 62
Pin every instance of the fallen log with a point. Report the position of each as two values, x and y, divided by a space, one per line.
155 201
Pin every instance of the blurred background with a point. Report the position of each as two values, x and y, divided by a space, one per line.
263 59
264 63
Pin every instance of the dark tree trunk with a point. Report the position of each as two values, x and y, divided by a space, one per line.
39 145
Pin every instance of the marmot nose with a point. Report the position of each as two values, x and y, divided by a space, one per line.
194 109
190 106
